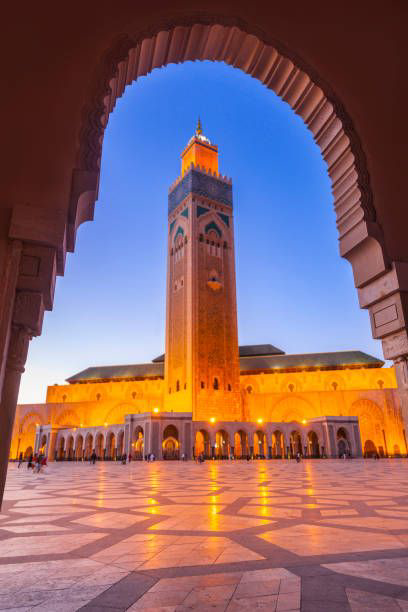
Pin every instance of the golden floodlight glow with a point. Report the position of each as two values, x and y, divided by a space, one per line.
105 424
260 421
304 421
212 420
81 425
156 410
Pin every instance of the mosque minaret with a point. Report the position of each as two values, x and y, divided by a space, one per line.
202 362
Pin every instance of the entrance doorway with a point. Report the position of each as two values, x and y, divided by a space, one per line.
171 447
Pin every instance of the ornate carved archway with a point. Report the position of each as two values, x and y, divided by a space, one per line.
278 69
381 282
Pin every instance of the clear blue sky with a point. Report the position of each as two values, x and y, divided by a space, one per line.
293 289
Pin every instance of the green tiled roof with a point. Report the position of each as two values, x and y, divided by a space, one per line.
304 361
249 363
246 350
259 350
119 372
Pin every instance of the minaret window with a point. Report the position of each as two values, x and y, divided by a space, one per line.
216 384
178 385
202 384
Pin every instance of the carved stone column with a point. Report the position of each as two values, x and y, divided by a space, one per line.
52 443
26 321
401 372
17 355
8 283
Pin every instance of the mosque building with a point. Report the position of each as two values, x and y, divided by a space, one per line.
206 394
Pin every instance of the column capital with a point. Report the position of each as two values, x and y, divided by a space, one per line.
28 312
40 227
18 348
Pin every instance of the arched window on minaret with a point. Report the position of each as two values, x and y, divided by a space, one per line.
178 385
215 384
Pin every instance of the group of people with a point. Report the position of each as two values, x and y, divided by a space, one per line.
128 458
37 462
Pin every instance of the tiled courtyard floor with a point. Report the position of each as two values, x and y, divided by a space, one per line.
269 535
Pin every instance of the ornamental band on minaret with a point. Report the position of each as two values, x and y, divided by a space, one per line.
202 363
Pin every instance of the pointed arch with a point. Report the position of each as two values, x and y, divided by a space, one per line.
212 226
207 37
68 417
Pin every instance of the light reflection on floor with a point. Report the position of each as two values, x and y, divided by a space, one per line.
221 535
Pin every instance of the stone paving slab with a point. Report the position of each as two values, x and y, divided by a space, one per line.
231 536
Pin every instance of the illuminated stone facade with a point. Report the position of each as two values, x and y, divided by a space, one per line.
201 326
207 395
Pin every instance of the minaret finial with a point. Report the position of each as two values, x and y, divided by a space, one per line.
199 129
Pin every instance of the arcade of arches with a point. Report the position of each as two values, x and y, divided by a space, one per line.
50 164
104 425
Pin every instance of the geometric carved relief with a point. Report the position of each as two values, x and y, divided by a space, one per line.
385 315
30 266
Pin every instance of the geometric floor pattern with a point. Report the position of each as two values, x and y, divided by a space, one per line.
323 535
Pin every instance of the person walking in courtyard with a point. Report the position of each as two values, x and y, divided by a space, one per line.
37 465
298 457
20 459
43 464
30 462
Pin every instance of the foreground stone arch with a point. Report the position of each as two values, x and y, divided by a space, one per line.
381 282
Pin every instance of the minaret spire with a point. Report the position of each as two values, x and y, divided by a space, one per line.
199 129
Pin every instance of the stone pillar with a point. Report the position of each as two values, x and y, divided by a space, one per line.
11 256
52 443
357 439
27 282
386 298
16 358
186 446
156 437
385 443
331 449
325 452
126 439
401 373
37 439
250 443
